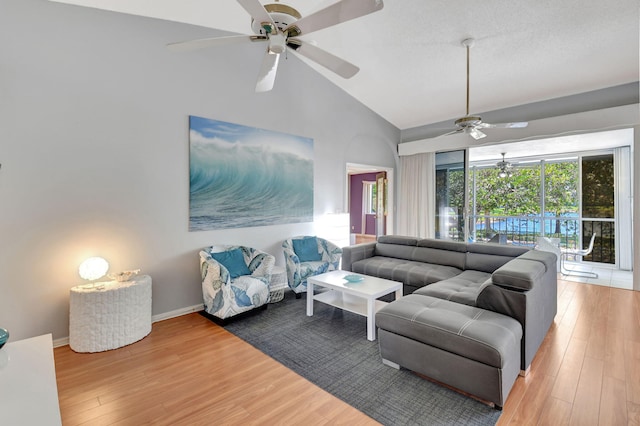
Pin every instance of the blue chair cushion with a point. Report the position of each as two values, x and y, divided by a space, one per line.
307 249
233 260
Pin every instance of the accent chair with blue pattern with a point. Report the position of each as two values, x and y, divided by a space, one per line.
235 279
306 256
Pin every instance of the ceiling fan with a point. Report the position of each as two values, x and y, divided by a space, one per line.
280 25
504 167
471 124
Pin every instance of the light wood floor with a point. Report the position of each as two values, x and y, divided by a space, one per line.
365 238
189 371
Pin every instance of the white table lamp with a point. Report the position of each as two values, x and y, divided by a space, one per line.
93 268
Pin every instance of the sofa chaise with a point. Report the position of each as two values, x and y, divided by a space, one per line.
473 315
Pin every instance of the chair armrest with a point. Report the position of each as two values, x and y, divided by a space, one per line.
292 263
289 254
330 252
215 277
261 264
211 268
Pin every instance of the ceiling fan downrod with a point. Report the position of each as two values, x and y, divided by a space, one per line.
468 44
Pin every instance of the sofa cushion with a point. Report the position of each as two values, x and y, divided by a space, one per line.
548 258
394 250
410 273
439 256
396 239
488 257
463 288
443 245
497 249
473 333
519 274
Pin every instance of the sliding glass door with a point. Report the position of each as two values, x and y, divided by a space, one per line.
451 197
566 199
598 207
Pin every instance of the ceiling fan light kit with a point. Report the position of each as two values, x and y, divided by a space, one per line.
282 16
471 124
280 25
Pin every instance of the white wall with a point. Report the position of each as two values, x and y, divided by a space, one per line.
94 151
636 209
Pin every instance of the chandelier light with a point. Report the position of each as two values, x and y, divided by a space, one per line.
504 167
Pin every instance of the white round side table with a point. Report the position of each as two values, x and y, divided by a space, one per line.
278 284
109 315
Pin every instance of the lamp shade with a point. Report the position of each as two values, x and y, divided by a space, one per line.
93 268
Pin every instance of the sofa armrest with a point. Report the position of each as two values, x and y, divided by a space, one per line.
519 274
524 288
357 252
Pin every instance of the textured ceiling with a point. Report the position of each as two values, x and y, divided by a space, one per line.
412 66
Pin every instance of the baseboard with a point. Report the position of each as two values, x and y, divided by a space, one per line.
63 341
177 313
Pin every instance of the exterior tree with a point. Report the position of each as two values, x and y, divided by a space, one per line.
561 191
517 195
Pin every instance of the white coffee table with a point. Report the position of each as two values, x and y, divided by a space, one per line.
28 387
359 298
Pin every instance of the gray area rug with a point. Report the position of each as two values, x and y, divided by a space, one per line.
331 350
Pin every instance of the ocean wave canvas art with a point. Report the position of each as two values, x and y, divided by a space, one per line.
242 176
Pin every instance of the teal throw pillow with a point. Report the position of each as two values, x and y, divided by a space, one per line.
233 260
307 249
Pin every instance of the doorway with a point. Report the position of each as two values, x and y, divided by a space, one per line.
370 202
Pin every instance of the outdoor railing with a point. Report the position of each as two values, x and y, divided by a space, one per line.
525 230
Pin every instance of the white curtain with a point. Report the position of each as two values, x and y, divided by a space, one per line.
623 207
416 198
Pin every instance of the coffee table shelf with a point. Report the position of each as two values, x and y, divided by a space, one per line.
347 302
359 298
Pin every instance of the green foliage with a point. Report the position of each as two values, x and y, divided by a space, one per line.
518 195
561 188
598 187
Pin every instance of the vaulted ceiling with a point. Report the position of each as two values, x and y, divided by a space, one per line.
412 64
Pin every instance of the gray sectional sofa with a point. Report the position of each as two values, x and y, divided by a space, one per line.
473 315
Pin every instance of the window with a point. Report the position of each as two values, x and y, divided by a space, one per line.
368 197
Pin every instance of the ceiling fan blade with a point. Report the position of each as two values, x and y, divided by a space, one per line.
338 65
336 13
186 46
267 75
257 12
515 125
476 134
453 132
